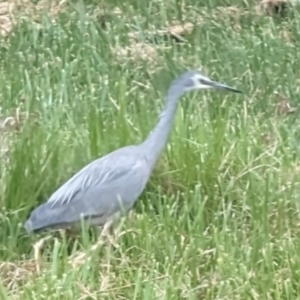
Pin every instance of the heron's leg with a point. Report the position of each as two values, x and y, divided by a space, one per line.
107 232
108 228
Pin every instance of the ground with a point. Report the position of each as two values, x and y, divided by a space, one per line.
219 218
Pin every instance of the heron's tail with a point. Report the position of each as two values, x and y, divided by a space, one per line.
42 217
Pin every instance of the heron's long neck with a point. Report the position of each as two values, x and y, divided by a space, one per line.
158 137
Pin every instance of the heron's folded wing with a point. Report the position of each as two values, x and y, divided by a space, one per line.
101 171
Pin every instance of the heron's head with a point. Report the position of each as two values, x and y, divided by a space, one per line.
193 80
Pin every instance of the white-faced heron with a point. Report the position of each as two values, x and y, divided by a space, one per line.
109 186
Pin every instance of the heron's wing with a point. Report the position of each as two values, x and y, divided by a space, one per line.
100 172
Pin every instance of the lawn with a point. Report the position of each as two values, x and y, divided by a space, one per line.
219 218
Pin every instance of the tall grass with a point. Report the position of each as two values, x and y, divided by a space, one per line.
219 218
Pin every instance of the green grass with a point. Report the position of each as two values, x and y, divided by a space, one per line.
219 218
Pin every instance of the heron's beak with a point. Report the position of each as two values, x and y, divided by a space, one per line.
222 86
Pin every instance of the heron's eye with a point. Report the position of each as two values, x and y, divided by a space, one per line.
204 81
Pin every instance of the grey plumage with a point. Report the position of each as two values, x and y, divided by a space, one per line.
109 186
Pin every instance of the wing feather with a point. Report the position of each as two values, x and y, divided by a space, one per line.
101 171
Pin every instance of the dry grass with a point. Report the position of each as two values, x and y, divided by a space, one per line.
234 13
14 10
175 30
35 11
136 52
13 275
141 51
273 7
6 17
283 106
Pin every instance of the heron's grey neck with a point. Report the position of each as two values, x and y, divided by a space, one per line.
158 137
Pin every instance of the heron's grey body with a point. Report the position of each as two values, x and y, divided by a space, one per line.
97 193
109 186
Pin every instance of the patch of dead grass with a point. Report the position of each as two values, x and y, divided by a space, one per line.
15 274
234 13
274 7
12 11
174 30
136 51
283 106
35 11
6 18
145 51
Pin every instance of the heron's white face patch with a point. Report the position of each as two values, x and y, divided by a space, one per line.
202 82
